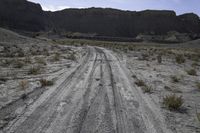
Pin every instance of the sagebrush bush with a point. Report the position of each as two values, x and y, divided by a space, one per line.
56 57
198 116
18 63
72 57
175 79
40 60
144 87
173 102
140 83
198 85
192 72
45 82
23 84
159 58
34 70
180 59
147 89
27 59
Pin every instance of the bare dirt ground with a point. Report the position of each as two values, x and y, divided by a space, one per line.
94 91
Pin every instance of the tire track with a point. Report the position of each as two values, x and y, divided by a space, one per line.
121 123
98 118
145 116
81 113
36 117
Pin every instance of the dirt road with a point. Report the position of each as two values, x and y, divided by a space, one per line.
98 96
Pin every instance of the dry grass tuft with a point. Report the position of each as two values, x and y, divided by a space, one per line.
34 70
198 85
23 84
192 72
147 89
180 59
140 83
45 82
175 79
173 102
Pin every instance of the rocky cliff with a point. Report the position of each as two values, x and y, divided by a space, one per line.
24 15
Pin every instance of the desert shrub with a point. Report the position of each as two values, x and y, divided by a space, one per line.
173 102
167 88
27 59
198 85
6 62
175 79
195 58
45 82
34 70
18 63
159 58
192 72
198 116
23 84
140 83
145 57
40 60
147 89
72 57
144 87
194 64
3 79
180 59
130 48
20 53
56 57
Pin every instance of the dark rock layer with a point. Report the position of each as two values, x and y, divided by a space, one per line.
24 15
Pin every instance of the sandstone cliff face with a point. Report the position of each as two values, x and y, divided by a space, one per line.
23 15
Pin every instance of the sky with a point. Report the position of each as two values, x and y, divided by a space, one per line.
180 6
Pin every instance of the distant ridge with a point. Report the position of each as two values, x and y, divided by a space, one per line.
28 16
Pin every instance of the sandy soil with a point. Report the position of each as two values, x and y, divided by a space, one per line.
95 92
99 95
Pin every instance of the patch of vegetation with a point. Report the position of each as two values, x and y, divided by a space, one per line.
3 79
159 58
198 116
175 79
198 85
18 63
40 60
6 62
56 57
173 102
167 88
45 82
130 48
34 70
147 89
145 57
180 59
72 56
194 64
140 83
192 72
27 59
24 85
